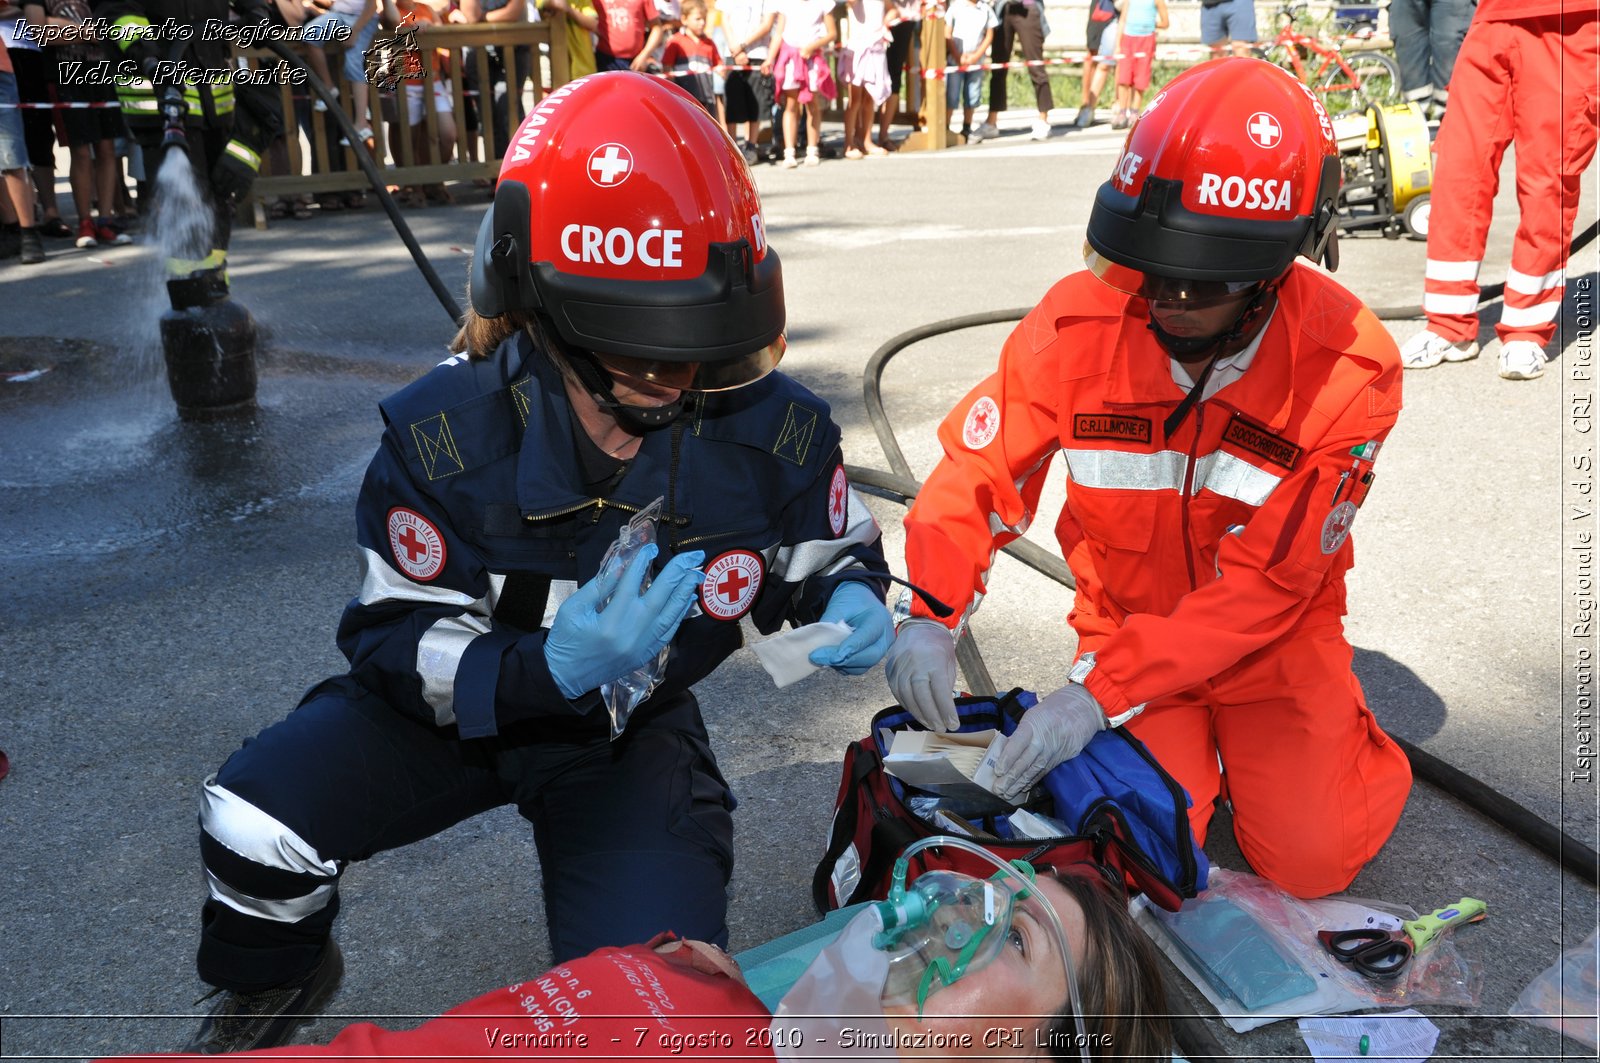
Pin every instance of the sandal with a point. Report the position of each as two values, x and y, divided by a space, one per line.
278 210
301 209
54 228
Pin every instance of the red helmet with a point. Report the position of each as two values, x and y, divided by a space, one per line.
1228 174
627 219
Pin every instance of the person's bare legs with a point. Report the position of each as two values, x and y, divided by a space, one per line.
80 175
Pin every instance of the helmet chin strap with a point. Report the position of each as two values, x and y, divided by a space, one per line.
1192 348
598 383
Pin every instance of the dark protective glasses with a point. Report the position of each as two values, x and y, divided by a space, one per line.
1187 292
723 375
1373 952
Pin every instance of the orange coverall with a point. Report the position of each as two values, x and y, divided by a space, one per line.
1529 72
1209 566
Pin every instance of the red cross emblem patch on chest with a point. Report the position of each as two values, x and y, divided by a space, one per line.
732 582
416 544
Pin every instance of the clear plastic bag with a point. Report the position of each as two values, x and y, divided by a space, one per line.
1281 952
1563 995
628 692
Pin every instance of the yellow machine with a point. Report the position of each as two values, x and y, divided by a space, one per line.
1388 170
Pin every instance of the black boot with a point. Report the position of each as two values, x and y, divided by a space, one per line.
267 1019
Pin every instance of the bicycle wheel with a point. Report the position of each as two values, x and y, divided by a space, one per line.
1374 78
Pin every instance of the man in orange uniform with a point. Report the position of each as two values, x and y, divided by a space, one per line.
1218 407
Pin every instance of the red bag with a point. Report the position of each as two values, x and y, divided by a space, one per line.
872 823
1103 11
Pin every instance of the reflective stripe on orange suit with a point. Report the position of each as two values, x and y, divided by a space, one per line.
1233 641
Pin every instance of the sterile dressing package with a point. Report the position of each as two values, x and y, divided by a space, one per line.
626 693
1252 951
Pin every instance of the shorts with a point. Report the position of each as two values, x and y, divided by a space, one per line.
1106 56
13 148
1138 54
77 127
1231 20
964 87
749 94
441 101
355 48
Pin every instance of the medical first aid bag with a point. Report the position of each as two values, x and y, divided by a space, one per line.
1120 809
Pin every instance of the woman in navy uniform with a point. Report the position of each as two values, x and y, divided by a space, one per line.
627 316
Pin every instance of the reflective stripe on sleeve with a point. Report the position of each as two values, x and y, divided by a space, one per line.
794 564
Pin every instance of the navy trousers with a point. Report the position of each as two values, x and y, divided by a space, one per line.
634 836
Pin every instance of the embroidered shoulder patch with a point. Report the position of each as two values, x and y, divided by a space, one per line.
1111 426
794 438
1262 443
436 447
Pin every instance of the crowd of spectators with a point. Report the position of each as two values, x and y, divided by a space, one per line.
764 68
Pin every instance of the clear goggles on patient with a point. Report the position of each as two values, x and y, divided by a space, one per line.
1156 288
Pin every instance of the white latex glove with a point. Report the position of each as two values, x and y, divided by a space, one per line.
921 669
1054 730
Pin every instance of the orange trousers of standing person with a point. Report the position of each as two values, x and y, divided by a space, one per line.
1530 79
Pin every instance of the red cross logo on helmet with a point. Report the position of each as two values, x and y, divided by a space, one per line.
610 165
1264 129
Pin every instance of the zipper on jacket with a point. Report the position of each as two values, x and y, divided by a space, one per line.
1188 493
599 505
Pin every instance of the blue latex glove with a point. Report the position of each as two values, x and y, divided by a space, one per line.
871 629
1054 730
587 646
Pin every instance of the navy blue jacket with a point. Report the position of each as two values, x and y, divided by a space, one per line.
474 526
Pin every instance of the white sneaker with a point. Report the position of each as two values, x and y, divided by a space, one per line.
1521 360
977 136
1040 130
319 105
1427 349
789 161
813 159
988 131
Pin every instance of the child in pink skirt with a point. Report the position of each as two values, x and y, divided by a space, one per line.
864 66
805 29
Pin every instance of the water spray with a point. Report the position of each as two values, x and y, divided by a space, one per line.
208 341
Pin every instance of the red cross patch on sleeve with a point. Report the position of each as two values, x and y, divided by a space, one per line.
416 544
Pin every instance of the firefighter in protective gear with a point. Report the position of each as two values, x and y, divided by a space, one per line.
180 99
1529 72
627 318
1218 407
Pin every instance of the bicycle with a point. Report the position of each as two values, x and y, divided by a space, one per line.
1346 84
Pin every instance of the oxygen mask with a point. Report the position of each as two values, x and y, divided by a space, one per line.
878 986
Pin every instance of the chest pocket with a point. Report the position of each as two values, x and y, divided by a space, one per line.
1114 495
508 541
